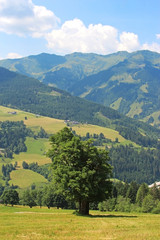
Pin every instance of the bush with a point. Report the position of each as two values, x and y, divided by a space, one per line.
108 205
156 210
123 204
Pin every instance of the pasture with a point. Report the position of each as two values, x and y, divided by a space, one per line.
25 178
52 125
52 224
36 152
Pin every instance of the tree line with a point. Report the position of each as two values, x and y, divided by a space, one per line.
132 197
129 163
124 197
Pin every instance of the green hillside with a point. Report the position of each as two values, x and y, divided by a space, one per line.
28 94
25 178
136 159
127 82
36 148
131 87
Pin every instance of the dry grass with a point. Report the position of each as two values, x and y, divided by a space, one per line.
43 224
51 125
108 132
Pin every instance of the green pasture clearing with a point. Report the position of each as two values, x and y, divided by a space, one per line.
36 146
51 224
36 152
25 178
115 105
52 125
135 109
156 117
108 132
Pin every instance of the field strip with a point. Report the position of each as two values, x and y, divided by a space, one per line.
42 213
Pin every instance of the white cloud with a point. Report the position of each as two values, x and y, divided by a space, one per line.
22 17
155 47
158 36
13 55
128 42
74 36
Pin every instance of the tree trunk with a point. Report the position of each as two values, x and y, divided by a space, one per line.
84 207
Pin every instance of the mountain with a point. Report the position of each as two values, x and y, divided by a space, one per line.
25 93
132 87
127 82
137 161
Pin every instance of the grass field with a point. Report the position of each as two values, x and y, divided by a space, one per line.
36 152
37 148
108 132
49 224
24 178
52 125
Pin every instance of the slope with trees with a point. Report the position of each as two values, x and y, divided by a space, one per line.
28 94
125 81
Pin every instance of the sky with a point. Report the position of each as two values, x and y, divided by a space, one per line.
30 27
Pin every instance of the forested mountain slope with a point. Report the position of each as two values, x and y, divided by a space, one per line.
29 94
132 87
127 82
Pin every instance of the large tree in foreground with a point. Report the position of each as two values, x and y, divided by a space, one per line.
81 172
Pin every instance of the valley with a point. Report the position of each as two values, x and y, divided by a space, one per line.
42 110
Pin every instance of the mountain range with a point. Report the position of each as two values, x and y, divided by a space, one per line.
29 94
137 158
127 82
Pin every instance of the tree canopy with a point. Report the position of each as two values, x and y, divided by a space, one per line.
80 171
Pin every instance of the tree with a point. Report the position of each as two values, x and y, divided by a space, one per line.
148 203
1 189
39 198
132 191
28 198
142 193
10 196
155 192
80 171
24 165
48 196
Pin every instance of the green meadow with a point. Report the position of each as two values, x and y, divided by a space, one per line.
25 178
50 224
37 148
36 152
52 125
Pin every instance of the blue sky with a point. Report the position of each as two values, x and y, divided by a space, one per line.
64 26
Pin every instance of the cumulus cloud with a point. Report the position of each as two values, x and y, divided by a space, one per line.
74 36
155 47
103 39
22 17
128 42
